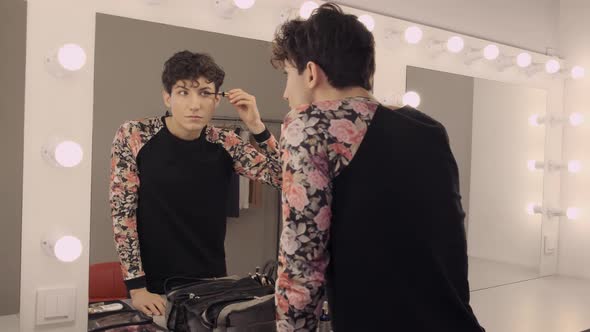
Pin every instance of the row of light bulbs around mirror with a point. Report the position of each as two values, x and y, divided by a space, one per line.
572 166
414 35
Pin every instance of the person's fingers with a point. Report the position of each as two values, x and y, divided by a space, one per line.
145 310
154 309
243 103
160 306
241 96
164 302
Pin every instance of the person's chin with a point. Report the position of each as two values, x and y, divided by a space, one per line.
194 126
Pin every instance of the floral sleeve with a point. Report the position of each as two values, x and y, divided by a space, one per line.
318 142
307 197
123 196
264 167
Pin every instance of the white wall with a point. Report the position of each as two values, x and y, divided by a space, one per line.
501 185
574 257
55 199
529 24
60 199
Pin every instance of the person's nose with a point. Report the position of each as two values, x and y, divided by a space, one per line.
195 103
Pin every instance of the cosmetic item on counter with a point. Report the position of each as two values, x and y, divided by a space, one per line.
96 308
325 324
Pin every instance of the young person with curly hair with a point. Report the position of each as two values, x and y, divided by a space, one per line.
170 180
371 202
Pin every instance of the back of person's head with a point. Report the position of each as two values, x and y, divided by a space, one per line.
337 42
189 66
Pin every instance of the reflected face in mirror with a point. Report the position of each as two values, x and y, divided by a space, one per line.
192 104
297 88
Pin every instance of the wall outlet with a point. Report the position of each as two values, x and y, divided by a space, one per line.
549 244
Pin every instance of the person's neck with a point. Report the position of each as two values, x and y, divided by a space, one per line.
179 132
337 94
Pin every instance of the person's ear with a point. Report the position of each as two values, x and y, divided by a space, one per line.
314 74
166 97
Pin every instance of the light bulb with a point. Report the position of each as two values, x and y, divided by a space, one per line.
533 208
307 9
491 52
368 21
574 166
244 4
576 119
413 35
68 249
524 60
65 248
68 153
412 99
455 44
534 120
71 57
573 213
578 72
552 66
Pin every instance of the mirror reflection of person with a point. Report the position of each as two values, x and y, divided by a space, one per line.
371 202
170 180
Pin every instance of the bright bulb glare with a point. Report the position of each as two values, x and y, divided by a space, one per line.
530 208
576 119
412 99
68 248
578 72
413 35
573 213
552 66
368 21
244 4
307 9
524 60
574 166
455 44
532 165
491 52
71 57
68 153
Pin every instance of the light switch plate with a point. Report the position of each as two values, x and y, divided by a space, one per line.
56 305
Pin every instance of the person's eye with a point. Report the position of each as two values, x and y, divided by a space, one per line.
183 92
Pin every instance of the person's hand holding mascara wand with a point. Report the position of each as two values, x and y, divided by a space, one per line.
245 104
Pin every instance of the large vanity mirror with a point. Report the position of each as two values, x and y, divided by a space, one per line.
492 141
128 86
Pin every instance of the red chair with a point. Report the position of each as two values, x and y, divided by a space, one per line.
106 282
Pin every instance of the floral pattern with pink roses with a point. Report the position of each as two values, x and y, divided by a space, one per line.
317 143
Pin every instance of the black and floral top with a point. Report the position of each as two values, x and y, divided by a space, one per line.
317 143
169 193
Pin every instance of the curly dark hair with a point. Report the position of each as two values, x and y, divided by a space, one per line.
337 42
186 65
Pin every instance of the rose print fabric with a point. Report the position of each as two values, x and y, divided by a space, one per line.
317 143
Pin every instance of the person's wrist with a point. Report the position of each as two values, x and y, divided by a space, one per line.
257 127
137 291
